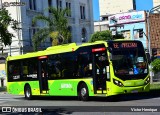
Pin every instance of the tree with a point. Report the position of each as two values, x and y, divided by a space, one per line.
57 27
102 35
156 65
5 22
118 36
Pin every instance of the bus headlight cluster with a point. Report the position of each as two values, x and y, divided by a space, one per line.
118 83
147 80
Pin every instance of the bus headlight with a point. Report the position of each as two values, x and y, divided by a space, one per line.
118 83
147 80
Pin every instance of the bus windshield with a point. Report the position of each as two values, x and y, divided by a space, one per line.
129 60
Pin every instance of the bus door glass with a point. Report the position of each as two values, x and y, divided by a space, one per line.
43 74
100 63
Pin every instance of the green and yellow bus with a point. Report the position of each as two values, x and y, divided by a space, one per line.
102 68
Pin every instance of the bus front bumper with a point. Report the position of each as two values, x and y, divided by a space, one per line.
125 90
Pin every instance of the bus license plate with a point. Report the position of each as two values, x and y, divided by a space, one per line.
134 91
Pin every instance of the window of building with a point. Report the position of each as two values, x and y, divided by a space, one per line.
126 34
59 4
82 12
83 35
68 6
138 33
49 4
32 4
32 31
70 30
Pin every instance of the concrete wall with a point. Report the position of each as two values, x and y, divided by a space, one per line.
114 6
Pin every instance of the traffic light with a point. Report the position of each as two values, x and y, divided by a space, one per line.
154 53
140 33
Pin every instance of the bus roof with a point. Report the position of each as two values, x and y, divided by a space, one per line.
53 50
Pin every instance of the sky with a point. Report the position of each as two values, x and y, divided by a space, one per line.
140 5
144 4
96 13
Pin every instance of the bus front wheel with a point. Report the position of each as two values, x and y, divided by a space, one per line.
27 92
83 92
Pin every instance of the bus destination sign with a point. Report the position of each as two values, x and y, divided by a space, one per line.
124 45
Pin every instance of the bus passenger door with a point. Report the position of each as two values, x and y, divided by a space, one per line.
99 72
43 75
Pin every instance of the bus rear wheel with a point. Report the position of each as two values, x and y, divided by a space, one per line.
27 92
83 92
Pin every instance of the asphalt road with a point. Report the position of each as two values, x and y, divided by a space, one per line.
144 103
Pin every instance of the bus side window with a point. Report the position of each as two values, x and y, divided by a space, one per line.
84 65
14 70
25 70
54 67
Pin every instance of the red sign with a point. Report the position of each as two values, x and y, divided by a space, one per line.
98 49
43 57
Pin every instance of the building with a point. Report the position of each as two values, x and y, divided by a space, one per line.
114 6
154 32
156 3
105 7
102 25
80 21
131 24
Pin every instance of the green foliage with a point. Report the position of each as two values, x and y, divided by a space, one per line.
102 35
156 65
5 22
57 27
118 36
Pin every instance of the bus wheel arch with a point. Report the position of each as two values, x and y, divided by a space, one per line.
83 92
27 91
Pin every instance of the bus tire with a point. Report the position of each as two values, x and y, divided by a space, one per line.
27 92
83 92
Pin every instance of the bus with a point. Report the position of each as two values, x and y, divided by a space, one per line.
101 68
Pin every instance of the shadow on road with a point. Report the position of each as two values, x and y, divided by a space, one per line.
117 98
133 96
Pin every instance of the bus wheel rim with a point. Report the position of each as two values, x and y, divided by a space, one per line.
83 91
28 93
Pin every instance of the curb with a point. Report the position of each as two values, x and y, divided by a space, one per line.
3 92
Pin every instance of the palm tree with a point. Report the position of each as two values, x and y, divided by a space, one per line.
57 27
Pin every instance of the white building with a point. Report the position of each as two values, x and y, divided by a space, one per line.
115 6
102 25
80 21
110 7
156 3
